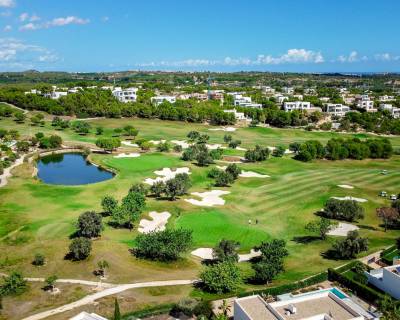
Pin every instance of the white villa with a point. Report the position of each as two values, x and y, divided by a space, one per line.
160 99
387 279
338 110
288 90
240 116
386 98
328 304
125 95
242 101
364 102
296 105
395 112
280 99
56 94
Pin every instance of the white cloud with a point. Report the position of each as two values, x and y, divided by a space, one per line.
7 28
67 20
385 57
7 3
352 57
48 58
292 56
29 27
56 22
23 17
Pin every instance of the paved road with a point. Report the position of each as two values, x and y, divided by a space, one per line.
107 292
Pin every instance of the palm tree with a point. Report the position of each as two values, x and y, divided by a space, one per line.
225 308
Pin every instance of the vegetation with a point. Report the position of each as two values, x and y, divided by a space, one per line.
89 224
349 247
14 284
226 250
221 277
80 248
321 227
348 210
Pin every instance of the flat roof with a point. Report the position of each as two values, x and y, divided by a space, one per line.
256 308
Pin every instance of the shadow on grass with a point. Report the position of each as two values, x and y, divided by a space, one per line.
306 239
362 226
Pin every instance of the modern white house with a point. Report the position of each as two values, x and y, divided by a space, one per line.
329 304
386 98
56 94
395 112
387 279
33 91
157 100
267 89
288 90
296 105
240 116
364 102
280 99
242 101
125 95
87 316
337 109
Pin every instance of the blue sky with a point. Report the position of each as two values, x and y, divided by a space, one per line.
220 35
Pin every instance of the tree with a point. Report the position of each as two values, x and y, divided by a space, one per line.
89 224
224 179
140 188
351 246
389 216
121 217
264 271
108 144
99 131
134 203
177 186
226 250
14 284
233 170
166 245
203 158
117 313
279 151
348 210
221 278
227 138
234 144
80 248
131 131
257 154
389 308
109 203
158 188
321 226
193 135
19 116
23 146
163 147
103 265
50 282
38 260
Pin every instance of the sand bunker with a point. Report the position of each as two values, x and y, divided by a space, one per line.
158 223
156 142
350 198
215 146
240 149
209 198
247 174
342 229
181 143
127 155
207 254
287 151
345 186
166 174
227 129
129 143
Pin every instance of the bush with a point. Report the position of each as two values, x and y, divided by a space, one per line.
14 284
109 203
177 186
224 179
221 278
257 154
89 224
213 173
165 245
163 147
233 170
38 260
178 148
348 210
279 151
80 248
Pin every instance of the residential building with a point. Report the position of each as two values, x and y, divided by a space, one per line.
325 99
125 95
280 99
364 102
288 90
328 304
239 100
87 316
337 109
160 99
267 89
310 91
395 112
348 99
216 94
296 105
199 96
56 94
387 279
298 96
75 89
240 116
386 98
33 91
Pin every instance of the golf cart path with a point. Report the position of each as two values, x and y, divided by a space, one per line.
7 171
106 292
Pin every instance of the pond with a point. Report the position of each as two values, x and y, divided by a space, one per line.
70 169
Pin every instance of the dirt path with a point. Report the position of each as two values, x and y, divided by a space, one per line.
7 171
107 292
15 107
77 281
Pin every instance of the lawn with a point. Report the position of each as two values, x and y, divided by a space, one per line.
35 217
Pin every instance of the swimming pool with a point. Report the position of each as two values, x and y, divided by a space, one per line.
337 292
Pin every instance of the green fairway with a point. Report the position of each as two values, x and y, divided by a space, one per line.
36 217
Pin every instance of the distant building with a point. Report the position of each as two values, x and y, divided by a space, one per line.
56 94
296 105
87 316
366 104
328 304
125 95
280 99
386 98
160 99
387 279
267 89
240 116
33 91
288 90
337 109
298 96
75 89
394 112
216 94
241 101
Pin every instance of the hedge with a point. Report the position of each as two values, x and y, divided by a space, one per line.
151 311
367 293
388 250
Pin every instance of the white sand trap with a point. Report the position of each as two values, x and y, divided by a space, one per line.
342 229
166 174
181 143
129 143
249 256
158 223
207 254
127 155
209 198
227 129
215 146
345 186
287 151
203 253
247 174
240 149
156 142
350 198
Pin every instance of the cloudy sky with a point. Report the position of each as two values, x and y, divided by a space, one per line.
220 35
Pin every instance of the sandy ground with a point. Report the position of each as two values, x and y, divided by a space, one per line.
207 254
215 146
7 171
345 186
181 143
127 155
350 198
287 151
156 142
241 149
158 223
209 198
227 129
166 174
247 174
342 229
129 143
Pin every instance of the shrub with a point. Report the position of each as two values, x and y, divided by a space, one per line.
14 284
80 248
233 170
109 203
221 278
257 154
38 260
178 148
224 179
89 224
213 173
348 210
